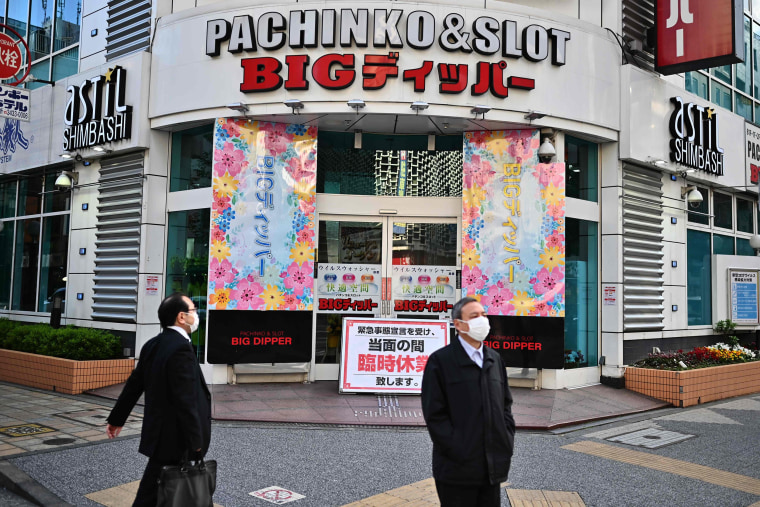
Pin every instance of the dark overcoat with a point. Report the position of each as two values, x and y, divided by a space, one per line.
177 415
468 411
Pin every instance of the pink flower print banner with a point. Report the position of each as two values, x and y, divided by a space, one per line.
513 225
262 216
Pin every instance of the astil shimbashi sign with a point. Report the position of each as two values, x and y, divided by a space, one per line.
96 112
694 137
388 31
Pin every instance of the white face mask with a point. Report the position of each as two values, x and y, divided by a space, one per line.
479 328
195 324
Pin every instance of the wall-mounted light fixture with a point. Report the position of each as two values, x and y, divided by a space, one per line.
239 107
356 104
480 110
294 104
419 105
102 149
67 179
534 115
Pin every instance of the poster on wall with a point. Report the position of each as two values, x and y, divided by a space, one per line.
348 288
259 337
424 289
743 296
513 237
262 216
388 356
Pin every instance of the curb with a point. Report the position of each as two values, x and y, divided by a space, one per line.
18 482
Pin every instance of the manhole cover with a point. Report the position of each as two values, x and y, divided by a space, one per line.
24 430
59 441
651 438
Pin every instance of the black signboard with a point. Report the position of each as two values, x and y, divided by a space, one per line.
249 336
528 342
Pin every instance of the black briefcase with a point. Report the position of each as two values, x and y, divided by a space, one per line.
187 485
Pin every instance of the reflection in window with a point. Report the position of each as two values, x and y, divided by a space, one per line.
67 21
424 244
40 70
723 73
722 210
743 70
581 169
581 333
187 264
17 14
756 58
696 83
29 194
8 199
66 64
698 277
40 29
25 264
6 262
398 165
721 95
191 158
350 242
55 247
723 245
744 107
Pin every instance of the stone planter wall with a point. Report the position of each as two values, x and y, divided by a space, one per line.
62 375
691 387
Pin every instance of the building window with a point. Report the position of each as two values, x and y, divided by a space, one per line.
743 70
581 168
187 264
53 263
743 107
698 277
581 290
191 158
744 215
723 245
26 264
721 95
743 248
722 210
696 83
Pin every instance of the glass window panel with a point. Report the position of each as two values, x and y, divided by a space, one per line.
350 242
581 169
66 64
696 83
2 11
374 169
581 288
721 95
722 211
55 247
67 21
744 215
40 70
756 7
25 264
6 262
55 198
187 264
723 73
192 152
756 57
723 245
699 213
743 248
698 276
423 244
7 198
743 78
329 331
40 29
18 11
744 106
29 196
757 111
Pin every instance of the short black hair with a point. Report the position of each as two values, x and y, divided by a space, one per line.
456 313
170 308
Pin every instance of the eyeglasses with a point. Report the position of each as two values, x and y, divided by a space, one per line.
192 310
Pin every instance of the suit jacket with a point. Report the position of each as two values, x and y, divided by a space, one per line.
177 414
468 411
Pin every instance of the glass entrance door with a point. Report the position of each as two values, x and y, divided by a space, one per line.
382 266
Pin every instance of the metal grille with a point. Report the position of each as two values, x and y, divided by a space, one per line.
117 244
128 27
638 17
643 300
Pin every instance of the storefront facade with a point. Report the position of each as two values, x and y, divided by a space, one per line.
377 121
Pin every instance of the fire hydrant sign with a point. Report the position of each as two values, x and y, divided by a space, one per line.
388 356
10 57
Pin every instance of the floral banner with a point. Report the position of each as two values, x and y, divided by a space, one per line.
262 217
513 245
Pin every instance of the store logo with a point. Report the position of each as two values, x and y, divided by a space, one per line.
11 137
382 29
694 131
696 34
96 112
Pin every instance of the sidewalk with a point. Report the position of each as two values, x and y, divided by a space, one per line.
321 403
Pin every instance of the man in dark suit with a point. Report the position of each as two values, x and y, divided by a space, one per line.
467 406
177 419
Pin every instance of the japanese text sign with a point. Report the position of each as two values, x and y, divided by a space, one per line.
348 287
743 294
14 103
697 34
262 216
388 356
424 289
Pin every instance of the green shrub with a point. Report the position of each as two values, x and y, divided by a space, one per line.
68 342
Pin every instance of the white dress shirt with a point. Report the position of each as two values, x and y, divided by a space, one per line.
181 331
475 354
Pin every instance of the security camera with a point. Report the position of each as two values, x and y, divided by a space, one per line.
546 151
692 195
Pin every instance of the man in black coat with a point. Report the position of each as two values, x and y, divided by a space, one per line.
177 418
467 404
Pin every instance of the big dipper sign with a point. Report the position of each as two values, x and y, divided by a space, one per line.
383 29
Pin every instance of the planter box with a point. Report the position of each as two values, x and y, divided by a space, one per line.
62 375
691 387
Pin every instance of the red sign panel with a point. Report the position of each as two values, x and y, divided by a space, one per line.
697 34
10 57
